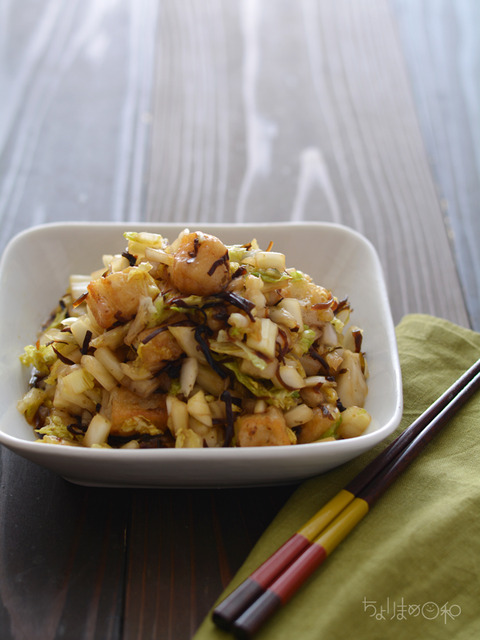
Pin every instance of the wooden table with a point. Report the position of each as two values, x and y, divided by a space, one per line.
358 112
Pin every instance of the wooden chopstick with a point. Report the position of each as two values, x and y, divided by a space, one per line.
278 578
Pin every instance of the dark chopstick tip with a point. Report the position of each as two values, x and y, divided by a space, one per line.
225 614
256 615
221 622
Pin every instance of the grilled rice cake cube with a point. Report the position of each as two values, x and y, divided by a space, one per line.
262 429
115 298
131 414
155 352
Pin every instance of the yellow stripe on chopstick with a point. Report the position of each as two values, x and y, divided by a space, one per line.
341 526
326 514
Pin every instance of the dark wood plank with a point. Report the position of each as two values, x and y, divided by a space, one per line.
184 547
441 47
75 81
62 551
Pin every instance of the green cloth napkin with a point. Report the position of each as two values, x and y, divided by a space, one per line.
411 568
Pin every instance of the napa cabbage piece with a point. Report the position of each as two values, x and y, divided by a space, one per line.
305 341
282 398
41 357
59 316
242 253
31 402
296 275
331 432
142 240
240 350
54 426
271 275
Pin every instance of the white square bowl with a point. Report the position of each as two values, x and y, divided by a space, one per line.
34 273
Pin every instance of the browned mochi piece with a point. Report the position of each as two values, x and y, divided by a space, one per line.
324 417
262 429
201 265
115 298
126 406
157 347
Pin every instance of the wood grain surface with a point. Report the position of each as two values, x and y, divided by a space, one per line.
361 113
442 51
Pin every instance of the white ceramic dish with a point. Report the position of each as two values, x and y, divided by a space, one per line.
33 275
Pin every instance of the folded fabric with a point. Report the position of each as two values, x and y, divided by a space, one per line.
411 568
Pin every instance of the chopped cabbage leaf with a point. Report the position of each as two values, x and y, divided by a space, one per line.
40 357
332 431
306 339
237 253
296 275
281 398
154 240
60 315
54 426
271 275
30 402
238 350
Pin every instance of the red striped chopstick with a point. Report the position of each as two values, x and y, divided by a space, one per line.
271 585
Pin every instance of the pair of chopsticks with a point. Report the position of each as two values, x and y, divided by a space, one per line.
272 585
